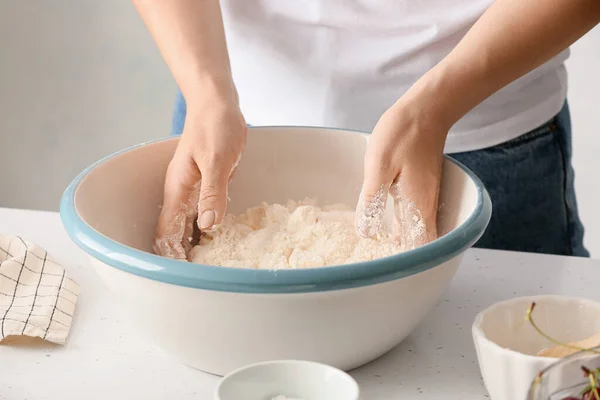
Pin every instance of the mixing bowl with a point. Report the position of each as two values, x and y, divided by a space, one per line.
218 319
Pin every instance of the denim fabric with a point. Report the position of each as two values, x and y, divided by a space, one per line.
179 112
530 181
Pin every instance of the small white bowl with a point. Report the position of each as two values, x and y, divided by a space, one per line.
507 345
298 380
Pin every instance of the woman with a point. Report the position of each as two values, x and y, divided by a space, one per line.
481 80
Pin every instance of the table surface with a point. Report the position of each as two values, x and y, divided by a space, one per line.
105 358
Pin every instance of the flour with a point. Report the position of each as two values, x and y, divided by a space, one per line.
295 235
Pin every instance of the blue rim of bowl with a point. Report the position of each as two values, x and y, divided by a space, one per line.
240 280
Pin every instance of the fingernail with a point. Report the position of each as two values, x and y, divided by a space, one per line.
207 219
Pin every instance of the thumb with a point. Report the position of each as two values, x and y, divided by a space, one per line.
415 204
372 201
176 217
212 201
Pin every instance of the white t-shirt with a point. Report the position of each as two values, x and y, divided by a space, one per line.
342 63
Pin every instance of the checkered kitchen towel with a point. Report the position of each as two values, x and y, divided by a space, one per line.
37 298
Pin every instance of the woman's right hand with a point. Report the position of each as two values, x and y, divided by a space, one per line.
191 39
208 152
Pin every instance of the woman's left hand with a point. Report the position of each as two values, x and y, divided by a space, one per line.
404 158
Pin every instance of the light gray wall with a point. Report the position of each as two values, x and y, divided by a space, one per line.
584 90
80 79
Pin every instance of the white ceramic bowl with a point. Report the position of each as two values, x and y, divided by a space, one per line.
219 319
298 380
507 344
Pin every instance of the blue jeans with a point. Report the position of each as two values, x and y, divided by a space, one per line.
530 181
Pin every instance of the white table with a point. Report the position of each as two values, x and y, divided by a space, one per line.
105 358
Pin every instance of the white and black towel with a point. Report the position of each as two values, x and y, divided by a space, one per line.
37 297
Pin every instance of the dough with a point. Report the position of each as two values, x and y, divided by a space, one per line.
296 235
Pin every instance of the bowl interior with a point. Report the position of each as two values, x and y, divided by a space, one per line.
563 318
121 196
288 379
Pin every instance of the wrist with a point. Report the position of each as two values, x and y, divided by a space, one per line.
443 95
426 107
210 91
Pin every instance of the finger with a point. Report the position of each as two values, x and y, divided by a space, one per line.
191 212
372 200
415 204
182 175
167 242
212 201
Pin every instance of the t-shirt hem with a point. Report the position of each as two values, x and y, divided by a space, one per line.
506 130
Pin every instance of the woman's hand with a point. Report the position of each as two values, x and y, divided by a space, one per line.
191 38
197 177
404 158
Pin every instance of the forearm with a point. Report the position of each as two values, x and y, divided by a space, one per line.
512 38
191 38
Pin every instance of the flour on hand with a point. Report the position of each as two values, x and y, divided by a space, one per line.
295 235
